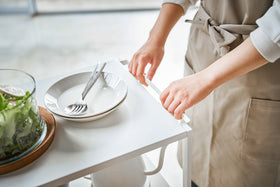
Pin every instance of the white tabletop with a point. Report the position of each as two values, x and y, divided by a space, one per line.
139 125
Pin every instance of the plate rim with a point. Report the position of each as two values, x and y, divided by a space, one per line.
88 116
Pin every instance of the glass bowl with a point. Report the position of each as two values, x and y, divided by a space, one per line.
22 129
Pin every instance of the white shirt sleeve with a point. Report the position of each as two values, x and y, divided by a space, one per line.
185 4
266 38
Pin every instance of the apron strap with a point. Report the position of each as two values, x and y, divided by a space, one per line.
221 34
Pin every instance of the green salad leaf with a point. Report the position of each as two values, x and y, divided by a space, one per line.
20 127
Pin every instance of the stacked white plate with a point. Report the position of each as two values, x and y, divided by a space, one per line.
104 97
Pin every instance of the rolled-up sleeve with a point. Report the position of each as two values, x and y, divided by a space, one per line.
185 4
266 38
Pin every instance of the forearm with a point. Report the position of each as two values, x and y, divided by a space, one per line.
241 60
169 15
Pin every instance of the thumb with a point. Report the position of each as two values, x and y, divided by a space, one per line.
152 71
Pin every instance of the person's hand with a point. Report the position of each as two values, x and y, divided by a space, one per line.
184 93
148 53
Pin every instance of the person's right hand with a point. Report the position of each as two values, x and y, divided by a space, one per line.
149 53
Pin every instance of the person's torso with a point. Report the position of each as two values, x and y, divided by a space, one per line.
236 11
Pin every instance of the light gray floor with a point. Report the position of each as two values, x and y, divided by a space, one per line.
46 46
81 4
49 45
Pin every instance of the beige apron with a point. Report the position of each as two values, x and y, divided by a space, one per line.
236 129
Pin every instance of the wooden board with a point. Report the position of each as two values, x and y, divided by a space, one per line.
51 125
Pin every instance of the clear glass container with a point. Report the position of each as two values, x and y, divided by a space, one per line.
22 129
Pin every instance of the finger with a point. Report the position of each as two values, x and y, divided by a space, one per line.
163 96
173 106
168 101
134 69
130 65
140 73
152 71
180 110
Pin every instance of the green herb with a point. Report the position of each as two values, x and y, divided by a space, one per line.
20 127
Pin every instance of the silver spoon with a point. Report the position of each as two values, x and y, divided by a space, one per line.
80 107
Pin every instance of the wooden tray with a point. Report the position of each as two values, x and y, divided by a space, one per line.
50 121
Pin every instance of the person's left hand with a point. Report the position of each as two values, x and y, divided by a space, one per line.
184 93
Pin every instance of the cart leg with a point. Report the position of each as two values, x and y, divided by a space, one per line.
187 162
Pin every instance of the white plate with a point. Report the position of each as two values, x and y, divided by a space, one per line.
105 96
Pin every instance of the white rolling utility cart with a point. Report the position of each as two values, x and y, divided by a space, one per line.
139 125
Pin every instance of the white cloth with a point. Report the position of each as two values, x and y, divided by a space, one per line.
185 4
266 38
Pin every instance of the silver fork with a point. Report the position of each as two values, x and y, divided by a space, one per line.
80 107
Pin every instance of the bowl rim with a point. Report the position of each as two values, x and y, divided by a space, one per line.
31 93
77 118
